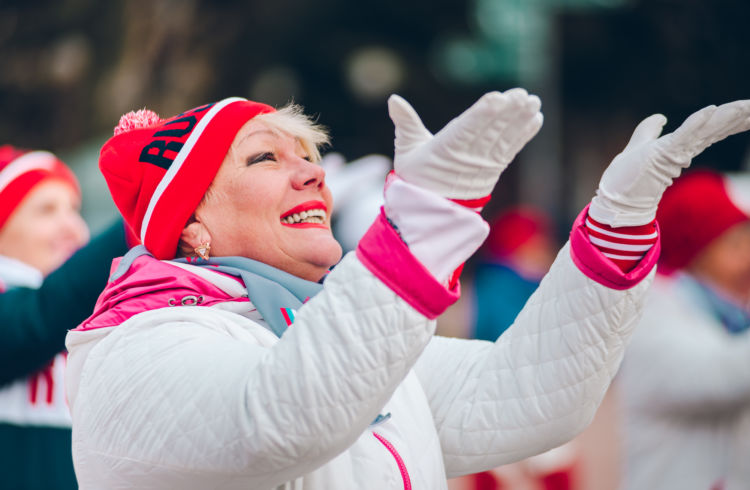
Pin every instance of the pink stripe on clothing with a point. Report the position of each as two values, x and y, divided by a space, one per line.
645 231
475 204
625 246
151 284
397 457
622 241
608 250
384 254
287 319
596 266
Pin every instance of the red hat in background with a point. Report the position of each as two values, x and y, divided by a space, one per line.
22 170
514 227
158 170
695 210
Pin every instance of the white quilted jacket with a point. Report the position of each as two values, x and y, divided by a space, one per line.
358 393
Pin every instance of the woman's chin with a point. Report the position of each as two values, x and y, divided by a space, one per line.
320 260
330 253
321 247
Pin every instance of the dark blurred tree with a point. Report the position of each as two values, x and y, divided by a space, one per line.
70 68
50 56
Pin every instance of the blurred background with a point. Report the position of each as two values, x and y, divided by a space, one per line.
70 68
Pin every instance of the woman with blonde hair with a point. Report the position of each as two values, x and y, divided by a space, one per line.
225 352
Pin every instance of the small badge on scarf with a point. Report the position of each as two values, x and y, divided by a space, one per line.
288 315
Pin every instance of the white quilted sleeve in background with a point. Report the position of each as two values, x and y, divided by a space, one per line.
186 397
540 384
702 368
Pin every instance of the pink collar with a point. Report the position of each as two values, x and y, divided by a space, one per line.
150 284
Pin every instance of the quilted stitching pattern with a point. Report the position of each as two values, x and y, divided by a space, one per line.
275 414
541 383
315 392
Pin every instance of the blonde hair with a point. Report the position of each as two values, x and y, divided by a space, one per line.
291 120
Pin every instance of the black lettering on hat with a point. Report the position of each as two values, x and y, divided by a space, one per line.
155 152
161 148
179 132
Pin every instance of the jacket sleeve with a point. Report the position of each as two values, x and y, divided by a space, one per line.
35 321
683 362
541 382
228 408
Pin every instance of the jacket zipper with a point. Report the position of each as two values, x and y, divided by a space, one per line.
397 457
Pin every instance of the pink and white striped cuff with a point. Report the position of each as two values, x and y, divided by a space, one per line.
624 246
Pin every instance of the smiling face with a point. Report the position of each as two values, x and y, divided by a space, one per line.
46 228
269 202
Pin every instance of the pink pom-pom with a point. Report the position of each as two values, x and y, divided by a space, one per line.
136 120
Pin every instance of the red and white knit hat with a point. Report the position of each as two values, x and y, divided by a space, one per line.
158 170
695 210
22 170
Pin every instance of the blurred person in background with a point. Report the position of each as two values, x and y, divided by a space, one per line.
36 320
40 227
685 381
518 252
185 377
357 189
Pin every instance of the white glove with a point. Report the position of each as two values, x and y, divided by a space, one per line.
465 158
631 187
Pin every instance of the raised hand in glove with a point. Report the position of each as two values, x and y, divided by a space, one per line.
631 187
464 159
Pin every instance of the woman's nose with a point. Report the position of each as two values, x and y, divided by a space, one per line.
75 227
308 174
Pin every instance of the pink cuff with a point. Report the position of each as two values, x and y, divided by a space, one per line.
596 266
384 254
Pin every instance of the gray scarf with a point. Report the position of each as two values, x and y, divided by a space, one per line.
275 293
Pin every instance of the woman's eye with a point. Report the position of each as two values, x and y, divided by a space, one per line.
46 209
261 157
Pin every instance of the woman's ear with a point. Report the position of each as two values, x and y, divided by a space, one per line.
195 234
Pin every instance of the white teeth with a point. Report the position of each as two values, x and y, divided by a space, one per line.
310 216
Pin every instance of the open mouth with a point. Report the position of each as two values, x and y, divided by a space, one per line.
307 213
